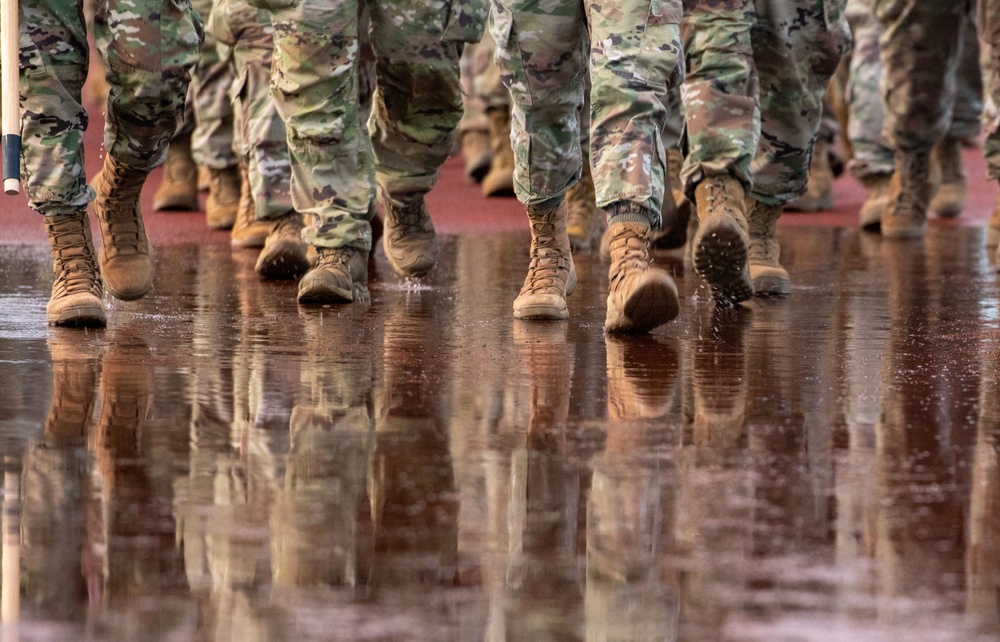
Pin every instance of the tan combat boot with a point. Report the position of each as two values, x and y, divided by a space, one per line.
721 244
126 257
909 195
949 201
583 218
499 181
247 231
640 297
819 190
408 236
993 227
340 276
179 187
76 286
551 275
766 273
223 198
477 153
870 216
284 254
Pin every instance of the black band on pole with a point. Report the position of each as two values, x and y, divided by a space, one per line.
12 156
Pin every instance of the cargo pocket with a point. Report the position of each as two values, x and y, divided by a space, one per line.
507 56
466 20
657 61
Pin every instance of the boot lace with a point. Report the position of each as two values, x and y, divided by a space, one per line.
119 203
629 252
407 218
76 266
549 268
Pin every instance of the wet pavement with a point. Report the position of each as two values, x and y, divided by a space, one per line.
221 464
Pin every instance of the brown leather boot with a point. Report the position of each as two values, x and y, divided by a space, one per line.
76 287
126 257
640 297
285 254
870 216
584 221
949 200
909 196
178 189
408 236
223 198
477 153
340 276
499 181
766 273
247 231
551 275
721 244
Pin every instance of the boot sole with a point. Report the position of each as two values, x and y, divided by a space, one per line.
721 259
177 204
319 295
88 316
650 305
542 312
283 261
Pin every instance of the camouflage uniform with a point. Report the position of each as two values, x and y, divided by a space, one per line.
247 40
417 104
149 47
635 56
481 86
786 52
872 152
989 29
920 45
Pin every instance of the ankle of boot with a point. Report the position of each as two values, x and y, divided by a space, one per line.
629 212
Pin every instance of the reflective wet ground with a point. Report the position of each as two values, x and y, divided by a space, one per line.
220 464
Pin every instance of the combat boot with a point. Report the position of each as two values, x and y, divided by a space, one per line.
76 286
499 181
583 218
993 227
224 188
640 297
551 275
126 257
766 273
949 200
179 186
909 195
477 153
340 276
819 189
247 231
877 201
408 236
721 244
285 254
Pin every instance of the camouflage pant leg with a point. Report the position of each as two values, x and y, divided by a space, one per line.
673 127
872 152
475 58
417 102
920 49
720 90
965 118
261 139
797 47
212 126
989 35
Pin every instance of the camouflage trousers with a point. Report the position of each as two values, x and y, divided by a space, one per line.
335 164
247 40
989 31
148 46
208 117
872 152
753 96
634 53
482 89
920 49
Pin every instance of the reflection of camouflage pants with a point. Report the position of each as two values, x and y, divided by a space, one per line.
634 51
786 51
249 41
920 50
989 28
149 47
208 119
416 106
872 153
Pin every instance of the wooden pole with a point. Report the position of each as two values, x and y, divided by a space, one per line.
11 106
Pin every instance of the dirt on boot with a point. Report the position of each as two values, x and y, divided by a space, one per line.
126 258
551 275
640 297
77 294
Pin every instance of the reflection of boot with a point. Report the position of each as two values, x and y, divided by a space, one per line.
477 153
126 258
551 275
583 218
284 253
721 243
500 179
76 286
949 201
642 376
719 380
75 366
247 231
909 195
640 297
179 186
768 276
870 217
408 237
819 189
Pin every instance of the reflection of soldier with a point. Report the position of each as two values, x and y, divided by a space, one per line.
982 558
